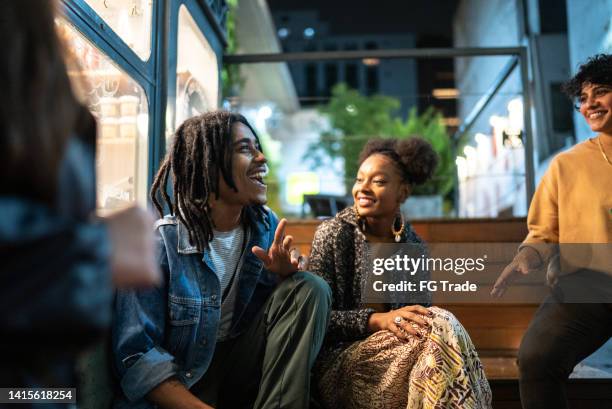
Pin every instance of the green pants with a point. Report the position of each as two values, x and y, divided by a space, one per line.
268 366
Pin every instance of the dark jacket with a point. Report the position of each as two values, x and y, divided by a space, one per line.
55 284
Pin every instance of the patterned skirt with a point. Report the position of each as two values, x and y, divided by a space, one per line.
440 370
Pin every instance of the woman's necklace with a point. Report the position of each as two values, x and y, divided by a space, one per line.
602 150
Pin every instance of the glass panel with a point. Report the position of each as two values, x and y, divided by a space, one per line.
197 72
130 19
313 126
121 108
490 156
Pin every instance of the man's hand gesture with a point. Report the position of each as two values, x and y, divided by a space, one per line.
280 258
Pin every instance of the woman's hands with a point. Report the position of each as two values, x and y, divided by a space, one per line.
411 319
280 258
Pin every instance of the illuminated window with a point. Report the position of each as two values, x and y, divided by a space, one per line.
130 19
121 108
197 72
300 184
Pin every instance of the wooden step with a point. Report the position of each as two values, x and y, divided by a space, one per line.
583 393
493 327
511 230
500 367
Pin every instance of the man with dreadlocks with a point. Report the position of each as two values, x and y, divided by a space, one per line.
234 324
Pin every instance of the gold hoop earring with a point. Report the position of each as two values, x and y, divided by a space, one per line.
398 233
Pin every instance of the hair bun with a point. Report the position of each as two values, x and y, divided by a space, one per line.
415 156
418 158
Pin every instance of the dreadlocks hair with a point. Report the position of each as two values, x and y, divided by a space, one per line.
201 153
596 70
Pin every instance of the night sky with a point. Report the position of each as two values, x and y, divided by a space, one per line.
431 20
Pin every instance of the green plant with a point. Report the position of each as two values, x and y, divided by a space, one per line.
429 126
355 118
231 81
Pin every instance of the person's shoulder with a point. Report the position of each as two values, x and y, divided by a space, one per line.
166 222
331 223
570 161
269 215
262 220
340 225
582 150
263 215
412 236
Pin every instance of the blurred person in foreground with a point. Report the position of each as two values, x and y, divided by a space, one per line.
234 324
393 355
59 262
572 207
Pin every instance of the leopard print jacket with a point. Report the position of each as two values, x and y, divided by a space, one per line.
339 255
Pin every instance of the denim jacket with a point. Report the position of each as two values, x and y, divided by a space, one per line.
170 331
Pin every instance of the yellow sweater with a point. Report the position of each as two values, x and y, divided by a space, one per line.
573 204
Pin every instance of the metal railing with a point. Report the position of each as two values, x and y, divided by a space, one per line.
520 59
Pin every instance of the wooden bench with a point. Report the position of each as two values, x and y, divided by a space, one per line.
495 329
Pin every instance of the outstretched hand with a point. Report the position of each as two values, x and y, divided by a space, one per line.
280 258
526 261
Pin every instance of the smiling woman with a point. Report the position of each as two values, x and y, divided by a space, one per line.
391 351
572 204
596 107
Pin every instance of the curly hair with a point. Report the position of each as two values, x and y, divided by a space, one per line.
596 70
414 157
200 154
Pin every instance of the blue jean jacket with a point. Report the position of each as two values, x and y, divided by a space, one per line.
170 331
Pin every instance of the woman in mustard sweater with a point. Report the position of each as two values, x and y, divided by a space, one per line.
572 207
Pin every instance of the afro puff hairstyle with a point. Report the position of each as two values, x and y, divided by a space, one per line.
415 157
596 70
